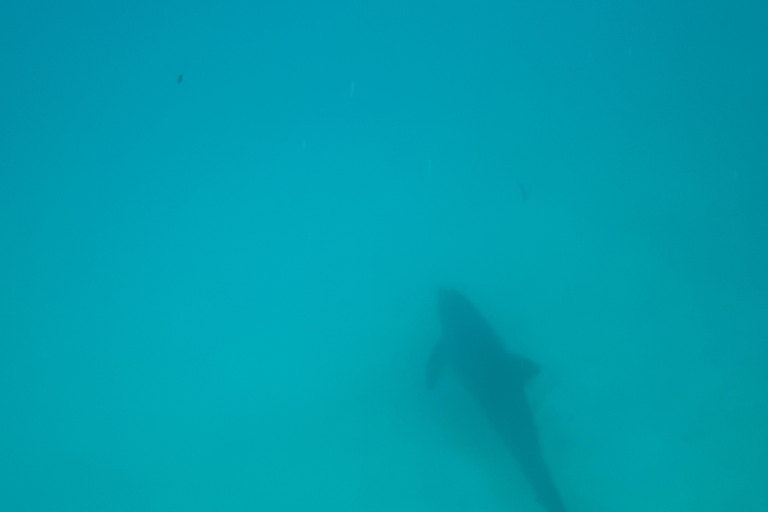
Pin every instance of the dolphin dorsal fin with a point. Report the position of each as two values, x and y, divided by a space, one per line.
522 368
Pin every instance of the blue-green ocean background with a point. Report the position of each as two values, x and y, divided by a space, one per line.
222 227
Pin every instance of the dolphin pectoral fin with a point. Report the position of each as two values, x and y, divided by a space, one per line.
522 368
437 361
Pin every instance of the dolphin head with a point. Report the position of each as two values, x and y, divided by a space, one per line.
449 298
453 307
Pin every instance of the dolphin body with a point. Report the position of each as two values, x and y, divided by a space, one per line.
496 379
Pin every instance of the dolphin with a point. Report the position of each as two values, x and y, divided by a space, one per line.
496 379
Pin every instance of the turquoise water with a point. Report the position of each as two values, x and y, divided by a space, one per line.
221 231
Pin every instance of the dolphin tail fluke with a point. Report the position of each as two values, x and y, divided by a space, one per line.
543 485
550 498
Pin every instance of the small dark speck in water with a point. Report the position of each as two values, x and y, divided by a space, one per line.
178 80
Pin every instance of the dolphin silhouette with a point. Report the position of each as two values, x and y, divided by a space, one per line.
496 379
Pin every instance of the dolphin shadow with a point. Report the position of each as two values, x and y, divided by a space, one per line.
496 380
